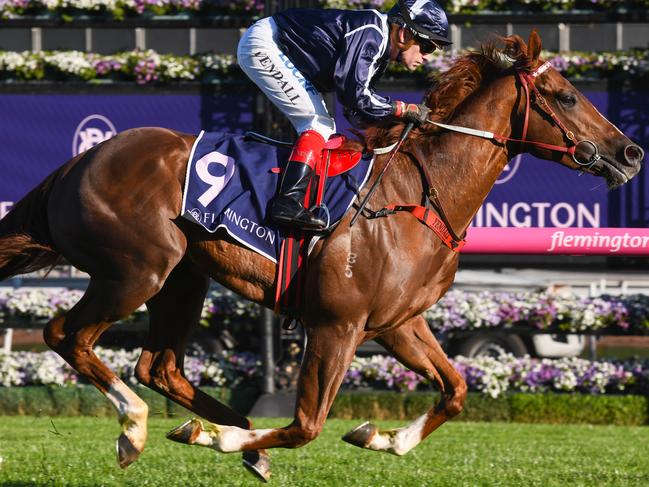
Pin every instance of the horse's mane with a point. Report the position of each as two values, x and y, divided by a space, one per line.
453 87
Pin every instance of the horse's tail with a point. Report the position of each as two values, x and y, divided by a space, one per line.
25 240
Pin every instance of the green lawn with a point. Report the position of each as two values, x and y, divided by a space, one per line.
80 451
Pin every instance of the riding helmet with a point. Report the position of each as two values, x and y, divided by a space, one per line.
425 18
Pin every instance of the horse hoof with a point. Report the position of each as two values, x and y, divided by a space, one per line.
126 451
186 432
257 464
362 435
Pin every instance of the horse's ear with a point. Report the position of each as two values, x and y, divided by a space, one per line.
534 47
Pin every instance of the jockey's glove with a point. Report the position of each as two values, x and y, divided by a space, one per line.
410 112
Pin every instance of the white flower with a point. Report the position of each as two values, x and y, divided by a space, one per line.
72 62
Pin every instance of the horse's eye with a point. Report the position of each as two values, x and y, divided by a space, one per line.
568 100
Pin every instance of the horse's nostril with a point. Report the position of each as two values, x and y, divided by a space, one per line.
633 154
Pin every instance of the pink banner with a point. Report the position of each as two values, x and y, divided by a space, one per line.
566 241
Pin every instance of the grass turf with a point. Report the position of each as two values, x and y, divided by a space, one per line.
80 451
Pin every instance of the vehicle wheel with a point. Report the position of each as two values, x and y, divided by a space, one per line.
492 345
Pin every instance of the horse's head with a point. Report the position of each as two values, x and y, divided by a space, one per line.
557 116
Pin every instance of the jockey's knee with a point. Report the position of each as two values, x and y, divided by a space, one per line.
323 124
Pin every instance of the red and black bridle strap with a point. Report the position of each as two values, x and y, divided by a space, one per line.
527 82
527 104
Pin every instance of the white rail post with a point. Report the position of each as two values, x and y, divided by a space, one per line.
9 335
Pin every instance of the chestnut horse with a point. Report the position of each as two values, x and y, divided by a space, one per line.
114 213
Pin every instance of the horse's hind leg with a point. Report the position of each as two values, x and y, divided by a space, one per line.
174 312
415 346
329 351
73 336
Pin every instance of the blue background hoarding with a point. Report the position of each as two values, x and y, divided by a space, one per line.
40 132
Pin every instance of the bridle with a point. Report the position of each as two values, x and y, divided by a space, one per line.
441 225
527 82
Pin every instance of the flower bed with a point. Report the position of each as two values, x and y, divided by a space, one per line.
486 375
47 368
148 67
142 67
459 310
516 390
495 377
456 311
38 305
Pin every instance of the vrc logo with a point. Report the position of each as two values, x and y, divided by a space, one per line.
91 131
510 170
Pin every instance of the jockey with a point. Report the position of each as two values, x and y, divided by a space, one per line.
297 54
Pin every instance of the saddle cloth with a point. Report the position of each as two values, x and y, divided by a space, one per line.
230 182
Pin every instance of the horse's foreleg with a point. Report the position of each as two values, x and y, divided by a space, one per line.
73 335
414 345
173 313
328 353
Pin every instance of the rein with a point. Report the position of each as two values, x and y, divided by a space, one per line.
393 152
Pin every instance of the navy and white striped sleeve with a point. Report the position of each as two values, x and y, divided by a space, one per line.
363 49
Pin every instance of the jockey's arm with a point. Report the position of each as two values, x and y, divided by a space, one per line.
355 75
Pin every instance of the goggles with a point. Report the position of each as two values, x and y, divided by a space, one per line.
427 46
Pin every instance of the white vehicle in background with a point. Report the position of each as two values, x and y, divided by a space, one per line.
495 343
542 345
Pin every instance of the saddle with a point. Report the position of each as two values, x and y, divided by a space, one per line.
336 160
291 268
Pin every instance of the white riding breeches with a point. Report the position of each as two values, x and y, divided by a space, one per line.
268 67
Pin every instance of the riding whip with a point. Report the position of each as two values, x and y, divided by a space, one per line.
403 137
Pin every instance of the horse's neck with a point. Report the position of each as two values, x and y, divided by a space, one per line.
464 167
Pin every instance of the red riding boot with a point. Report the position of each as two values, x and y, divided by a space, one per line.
287 208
